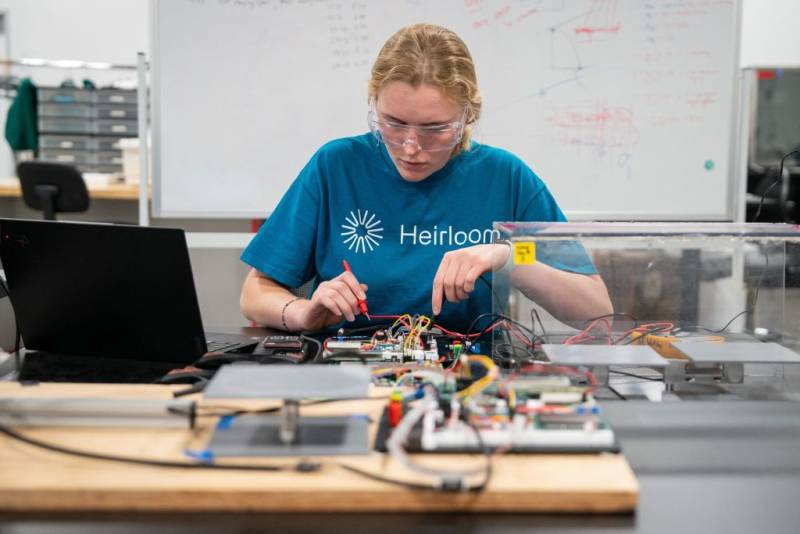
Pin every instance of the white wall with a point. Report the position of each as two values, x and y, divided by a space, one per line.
91 30
102 30
770 33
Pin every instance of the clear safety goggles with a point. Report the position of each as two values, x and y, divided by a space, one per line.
430 138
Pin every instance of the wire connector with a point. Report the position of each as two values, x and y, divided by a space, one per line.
453 484
307 467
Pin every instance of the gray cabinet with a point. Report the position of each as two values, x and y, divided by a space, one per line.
83 127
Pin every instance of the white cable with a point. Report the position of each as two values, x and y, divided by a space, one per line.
395 444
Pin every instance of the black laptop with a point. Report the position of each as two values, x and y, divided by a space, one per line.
107 291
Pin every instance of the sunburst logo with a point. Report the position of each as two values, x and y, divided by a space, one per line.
362 231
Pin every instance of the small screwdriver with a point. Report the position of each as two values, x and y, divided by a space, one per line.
362 303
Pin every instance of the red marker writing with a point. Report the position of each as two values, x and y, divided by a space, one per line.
362 303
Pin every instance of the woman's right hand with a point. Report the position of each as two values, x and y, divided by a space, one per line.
333 301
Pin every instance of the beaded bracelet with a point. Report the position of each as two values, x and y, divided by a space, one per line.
283 313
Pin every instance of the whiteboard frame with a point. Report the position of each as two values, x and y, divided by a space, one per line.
734 182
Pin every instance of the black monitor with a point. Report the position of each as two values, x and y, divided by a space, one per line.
102 290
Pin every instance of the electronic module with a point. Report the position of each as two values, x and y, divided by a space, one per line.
471 407
409 339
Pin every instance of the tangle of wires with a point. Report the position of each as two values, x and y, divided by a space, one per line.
778 179
521 342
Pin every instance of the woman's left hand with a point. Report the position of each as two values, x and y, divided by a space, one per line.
460 269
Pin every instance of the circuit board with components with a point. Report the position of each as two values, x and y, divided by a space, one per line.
469 408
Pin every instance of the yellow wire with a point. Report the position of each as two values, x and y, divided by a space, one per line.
482 383
414 337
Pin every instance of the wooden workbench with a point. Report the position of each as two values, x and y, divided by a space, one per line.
35 480
9 187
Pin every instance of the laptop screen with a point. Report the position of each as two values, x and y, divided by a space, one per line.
102 290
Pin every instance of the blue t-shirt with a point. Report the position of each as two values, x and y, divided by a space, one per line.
349 202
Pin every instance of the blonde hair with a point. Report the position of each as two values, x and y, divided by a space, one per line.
429 54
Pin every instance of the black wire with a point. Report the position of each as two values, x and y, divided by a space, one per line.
777 180
273 409
543 337
506 352
301 466
318 355
617 393
633 375
487 452
504 355
417 486
498 317
369 328
747 310
381 478
197 387
743 312
355 354
500 307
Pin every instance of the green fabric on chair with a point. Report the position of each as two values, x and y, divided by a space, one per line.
21 124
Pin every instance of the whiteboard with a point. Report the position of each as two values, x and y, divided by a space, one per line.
625 108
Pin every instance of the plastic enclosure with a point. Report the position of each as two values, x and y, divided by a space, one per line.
740 282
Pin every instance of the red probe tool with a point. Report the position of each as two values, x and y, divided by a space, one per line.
362 303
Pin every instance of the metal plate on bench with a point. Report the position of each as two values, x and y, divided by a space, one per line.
289 382
738 352
605 355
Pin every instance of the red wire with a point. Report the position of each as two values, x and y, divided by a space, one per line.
584 335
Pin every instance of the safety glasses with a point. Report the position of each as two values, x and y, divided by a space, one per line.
430 138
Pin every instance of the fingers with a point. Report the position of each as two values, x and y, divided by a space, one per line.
337 306
438 285
340 296
352 282
471 278
458 274
453 281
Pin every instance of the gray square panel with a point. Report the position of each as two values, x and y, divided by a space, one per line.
608 355
738 352
316 436
289 382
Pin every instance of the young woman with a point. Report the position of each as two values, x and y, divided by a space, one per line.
410 206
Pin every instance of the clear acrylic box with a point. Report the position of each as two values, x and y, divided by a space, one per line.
718 302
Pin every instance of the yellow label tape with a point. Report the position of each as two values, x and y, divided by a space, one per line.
524 253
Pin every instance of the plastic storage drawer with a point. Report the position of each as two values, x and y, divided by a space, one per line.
65 125
115 96
78 111
106 169
107 143
64 95
66 142
72 157
109 158
115 111
117 127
